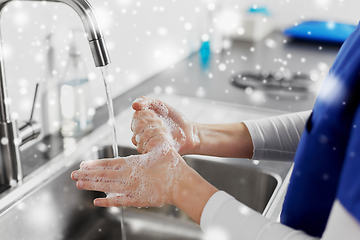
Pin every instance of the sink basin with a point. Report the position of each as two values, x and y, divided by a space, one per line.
58 210
248 185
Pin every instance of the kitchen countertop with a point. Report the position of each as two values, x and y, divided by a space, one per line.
187 78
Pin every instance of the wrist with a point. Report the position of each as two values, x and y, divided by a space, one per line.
196 129
192 193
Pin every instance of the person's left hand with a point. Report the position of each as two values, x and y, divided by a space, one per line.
140 181
153 117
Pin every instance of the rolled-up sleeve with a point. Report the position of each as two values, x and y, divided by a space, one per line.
277 138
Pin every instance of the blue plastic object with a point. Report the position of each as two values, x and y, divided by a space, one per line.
332 32
205 55
261 10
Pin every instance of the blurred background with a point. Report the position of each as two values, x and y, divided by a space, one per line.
143 37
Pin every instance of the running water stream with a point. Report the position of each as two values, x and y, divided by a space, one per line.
104 71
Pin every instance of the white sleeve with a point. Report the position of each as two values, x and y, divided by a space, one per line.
226 218
277 138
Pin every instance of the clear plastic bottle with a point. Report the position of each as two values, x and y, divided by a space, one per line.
75 98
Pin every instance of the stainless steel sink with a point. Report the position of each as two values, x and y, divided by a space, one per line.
250 186
58 210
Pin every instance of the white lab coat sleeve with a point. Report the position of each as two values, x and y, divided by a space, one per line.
276 138
228 219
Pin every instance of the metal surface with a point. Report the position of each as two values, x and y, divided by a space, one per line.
58 210
99 52
276 83
10 165
29 131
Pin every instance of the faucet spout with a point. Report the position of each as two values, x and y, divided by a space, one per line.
92 28
10 164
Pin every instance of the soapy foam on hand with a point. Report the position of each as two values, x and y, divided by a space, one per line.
149 189
137 138
174 127
137 184
157 107
163 113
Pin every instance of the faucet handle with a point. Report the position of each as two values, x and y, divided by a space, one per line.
34 102
30 129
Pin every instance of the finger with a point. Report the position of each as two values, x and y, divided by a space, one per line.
142 140
103 163
133 139
139 116
122 200
144 103
74 176
158 143
141 103
140 149
148 123
105 202
144 114
99 186
159 108
145 136
100 175
149 135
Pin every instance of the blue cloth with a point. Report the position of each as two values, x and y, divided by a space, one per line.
349 187
321 152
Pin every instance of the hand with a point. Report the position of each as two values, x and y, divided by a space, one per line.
149 180
146 180
153 117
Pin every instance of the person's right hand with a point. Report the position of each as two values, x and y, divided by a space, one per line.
152 118
154 179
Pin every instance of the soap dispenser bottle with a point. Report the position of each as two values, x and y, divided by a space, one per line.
75 99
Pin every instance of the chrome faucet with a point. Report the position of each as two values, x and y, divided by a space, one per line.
10 164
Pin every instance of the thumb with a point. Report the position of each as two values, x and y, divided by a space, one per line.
141 103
